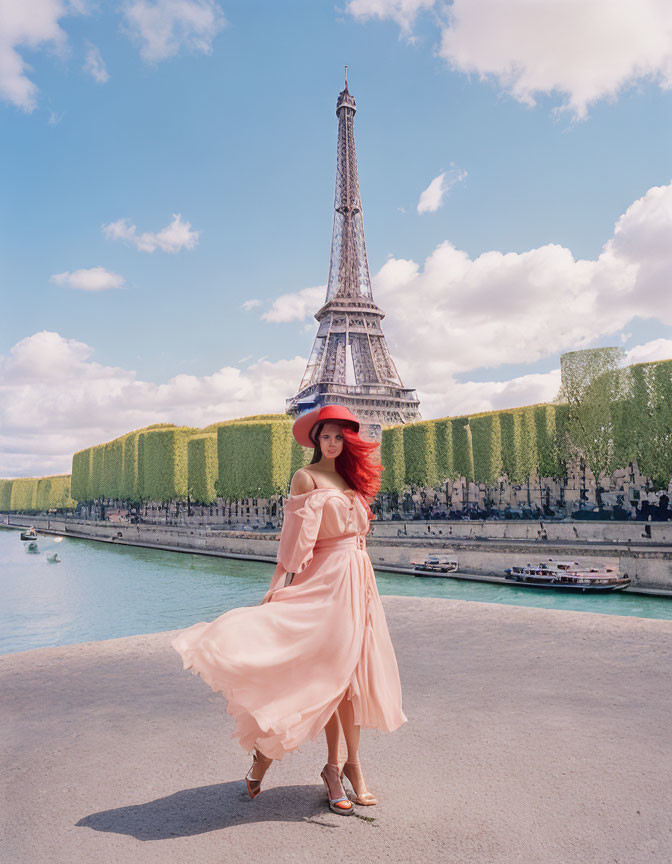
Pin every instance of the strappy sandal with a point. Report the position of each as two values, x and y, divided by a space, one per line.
253 785
336 804
366 799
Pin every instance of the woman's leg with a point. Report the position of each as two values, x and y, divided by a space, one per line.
331 771
352 767
260 766
350 731
333 732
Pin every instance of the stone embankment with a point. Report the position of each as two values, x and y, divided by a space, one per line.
484 549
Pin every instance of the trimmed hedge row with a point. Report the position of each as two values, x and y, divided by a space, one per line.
518 442
256 456
36 493
645 420
420 453
202 467
486 446
392 458
163 463
110 470
255 459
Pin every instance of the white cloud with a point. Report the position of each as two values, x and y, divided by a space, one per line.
582 50
94 65
469 397
404 12
432 198
457 314
296 306
657 349
28 25
250 304
174 237
55 399
165 27
93 279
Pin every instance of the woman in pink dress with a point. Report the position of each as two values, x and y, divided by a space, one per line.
316 653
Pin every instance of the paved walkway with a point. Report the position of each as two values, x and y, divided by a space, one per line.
534 736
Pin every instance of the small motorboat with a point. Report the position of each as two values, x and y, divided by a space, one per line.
30 534
567 576
433 564
54 559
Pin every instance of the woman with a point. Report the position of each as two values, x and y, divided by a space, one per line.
316 653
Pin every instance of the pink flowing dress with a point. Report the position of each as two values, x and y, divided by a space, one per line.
285 665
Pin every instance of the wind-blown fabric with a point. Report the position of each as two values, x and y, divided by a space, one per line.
285 664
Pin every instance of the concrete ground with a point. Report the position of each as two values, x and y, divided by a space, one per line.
533 736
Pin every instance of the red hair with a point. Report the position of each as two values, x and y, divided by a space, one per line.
355 463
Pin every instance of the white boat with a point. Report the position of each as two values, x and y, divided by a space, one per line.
568 576
435 564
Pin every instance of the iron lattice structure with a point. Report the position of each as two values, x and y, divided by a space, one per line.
350 363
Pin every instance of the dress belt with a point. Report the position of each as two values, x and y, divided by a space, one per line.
356 541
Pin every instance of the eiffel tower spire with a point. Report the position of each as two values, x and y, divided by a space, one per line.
350 362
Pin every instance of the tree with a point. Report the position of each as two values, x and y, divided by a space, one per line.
593 383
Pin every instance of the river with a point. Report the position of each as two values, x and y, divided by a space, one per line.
102 591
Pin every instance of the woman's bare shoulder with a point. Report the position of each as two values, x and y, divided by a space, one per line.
301 482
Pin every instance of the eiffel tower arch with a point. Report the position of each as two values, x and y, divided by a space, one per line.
350 363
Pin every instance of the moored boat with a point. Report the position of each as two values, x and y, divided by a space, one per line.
567 576
433 564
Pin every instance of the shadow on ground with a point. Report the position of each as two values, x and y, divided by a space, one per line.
211 808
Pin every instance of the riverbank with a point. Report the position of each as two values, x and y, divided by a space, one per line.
649 566
533 735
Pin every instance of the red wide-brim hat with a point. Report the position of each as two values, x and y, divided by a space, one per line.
306 423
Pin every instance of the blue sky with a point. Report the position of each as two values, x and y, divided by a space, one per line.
224 113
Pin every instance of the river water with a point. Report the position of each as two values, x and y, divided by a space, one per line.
101 591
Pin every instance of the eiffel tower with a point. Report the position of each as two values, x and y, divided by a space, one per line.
350 363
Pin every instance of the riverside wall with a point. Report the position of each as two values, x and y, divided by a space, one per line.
484 549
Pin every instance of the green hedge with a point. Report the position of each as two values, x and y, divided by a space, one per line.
163 463
486 443
81 475
129 473
254 458
300 457
420 454
257 455
202 467
443 437
97 477
548 457
463 452
270 418
113 468
5 495
43 497
35 494
519 444
24 494
392 458
647 418
60 496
